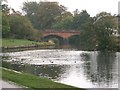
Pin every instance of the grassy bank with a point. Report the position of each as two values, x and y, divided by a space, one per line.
31 81
16 42
22 42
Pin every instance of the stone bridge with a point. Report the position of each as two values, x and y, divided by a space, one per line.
62 34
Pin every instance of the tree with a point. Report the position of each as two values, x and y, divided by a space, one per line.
5 21
87 38
0 24
80 19
31 12
42 14
21 27
105 24
97 33
5 9
64 21
75 22
118 18
5 26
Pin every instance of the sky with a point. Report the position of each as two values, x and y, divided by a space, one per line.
92 6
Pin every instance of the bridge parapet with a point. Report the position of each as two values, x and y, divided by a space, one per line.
63 34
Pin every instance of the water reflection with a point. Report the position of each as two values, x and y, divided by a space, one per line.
77 68
101 69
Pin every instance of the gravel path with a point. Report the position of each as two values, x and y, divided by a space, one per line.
5 84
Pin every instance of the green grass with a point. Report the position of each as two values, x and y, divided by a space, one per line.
19 42
16 42
31 81
0 42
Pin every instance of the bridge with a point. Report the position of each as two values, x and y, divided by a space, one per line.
62 36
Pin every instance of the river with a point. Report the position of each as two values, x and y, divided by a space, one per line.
83 69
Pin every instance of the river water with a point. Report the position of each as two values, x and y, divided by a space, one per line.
81 69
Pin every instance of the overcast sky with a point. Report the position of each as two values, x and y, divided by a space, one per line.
92 6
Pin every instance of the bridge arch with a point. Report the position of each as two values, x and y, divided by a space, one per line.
73 40
51 36
63 34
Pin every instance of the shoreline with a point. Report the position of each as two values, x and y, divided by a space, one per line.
36 47
23 48
31 81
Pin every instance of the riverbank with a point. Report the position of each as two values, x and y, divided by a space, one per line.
12 45
9 45
31 81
